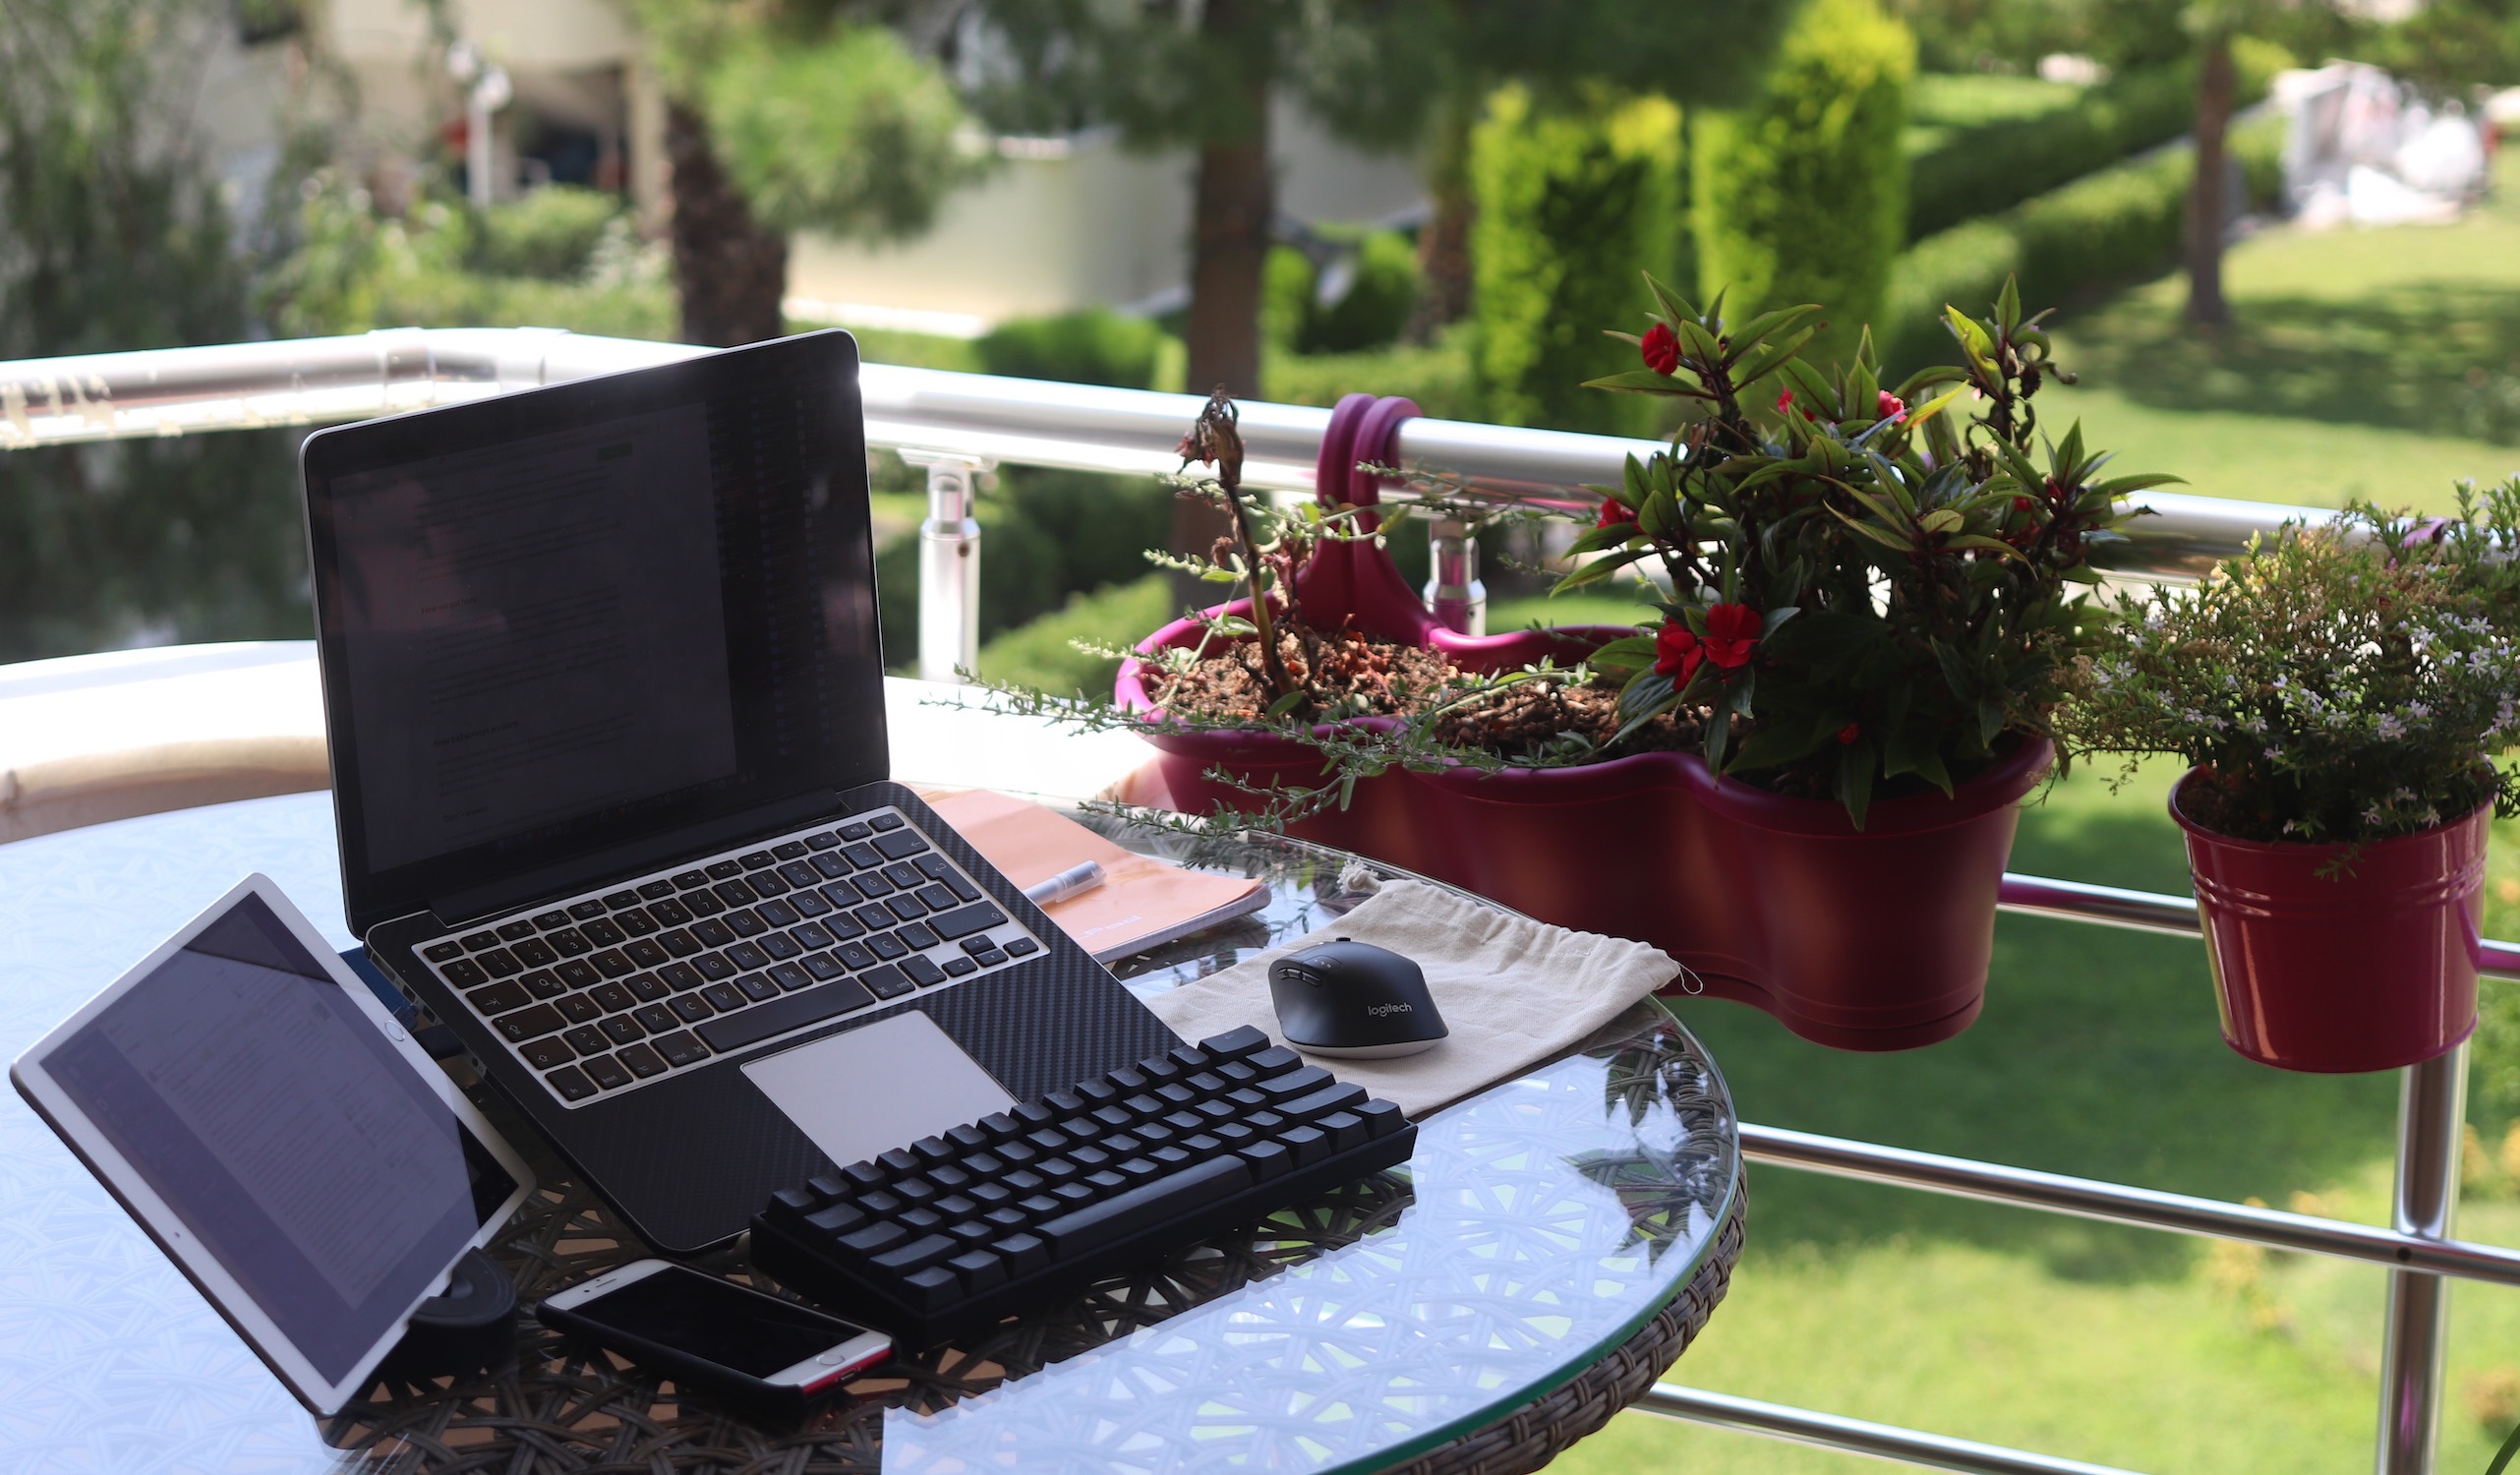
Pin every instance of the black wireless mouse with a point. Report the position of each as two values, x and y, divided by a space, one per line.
1353 1000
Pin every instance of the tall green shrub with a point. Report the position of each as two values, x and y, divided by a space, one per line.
1802 194
1572 199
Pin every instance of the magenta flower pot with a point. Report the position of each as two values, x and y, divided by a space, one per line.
1871 940
2365 971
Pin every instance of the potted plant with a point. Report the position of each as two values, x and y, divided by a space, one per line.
2339 692
1802 779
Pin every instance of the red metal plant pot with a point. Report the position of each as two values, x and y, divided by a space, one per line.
2362 972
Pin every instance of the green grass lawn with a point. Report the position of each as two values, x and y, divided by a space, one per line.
2361 362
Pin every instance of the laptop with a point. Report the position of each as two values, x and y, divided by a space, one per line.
603 684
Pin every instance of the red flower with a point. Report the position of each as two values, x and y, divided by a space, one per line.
1615 512
1662 348
1849 733
1731 632
1677 652
1784 402
2020 504
1888 406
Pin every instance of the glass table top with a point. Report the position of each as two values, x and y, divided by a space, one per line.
1543 1221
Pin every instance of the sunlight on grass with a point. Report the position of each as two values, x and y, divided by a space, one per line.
2363 362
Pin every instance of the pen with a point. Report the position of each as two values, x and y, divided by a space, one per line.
1074 881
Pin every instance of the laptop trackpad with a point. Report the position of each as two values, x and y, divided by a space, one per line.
880 1087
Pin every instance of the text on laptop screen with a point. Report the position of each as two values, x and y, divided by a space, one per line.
575 630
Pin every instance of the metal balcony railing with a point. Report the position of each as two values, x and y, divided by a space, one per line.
956 425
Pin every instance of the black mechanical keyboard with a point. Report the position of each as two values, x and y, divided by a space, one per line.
603 993
957 1230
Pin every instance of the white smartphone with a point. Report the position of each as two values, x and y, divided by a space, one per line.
715 1332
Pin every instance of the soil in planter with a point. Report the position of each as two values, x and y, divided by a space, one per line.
1353 674
1533 719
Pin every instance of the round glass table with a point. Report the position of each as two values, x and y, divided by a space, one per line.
1549 1248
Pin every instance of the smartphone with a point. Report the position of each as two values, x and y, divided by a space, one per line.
714 1333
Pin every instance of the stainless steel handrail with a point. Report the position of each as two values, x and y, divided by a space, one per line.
956 423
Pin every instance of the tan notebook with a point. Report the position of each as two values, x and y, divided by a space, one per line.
1141 902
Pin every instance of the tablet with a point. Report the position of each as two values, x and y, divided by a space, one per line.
304 1164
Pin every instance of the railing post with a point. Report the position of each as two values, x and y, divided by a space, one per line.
2432 1119
949 568
1453 591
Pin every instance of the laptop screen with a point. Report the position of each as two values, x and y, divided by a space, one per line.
564 628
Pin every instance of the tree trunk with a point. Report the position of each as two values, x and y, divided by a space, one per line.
1444 248
730 272
1229 249
2208 203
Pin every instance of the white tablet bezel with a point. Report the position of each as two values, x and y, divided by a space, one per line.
166 1228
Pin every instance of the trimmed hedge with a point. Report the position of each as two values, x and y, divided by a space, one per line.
1572 201
1095 346
1993 165
1801 196
2119 224
1383 279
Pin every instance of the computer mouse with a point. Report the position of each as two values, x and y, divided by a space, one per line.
1353 1000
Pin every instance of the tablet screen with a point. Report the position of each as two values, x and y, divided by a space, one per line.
297 1145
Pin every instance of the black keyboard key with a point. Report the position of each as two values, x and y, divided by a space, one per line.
690 880
724 997
549 921
620 1029
779 913
572 1084
839 1219
757 988
809 903
578 974
780 1015
715 967
990 959
871 885
757 860
603 933
671 912
463 973
822 842
778 945
1346 1130
498 998
680 1048
571 942
636 922
899 843
678 943
886 981
516 931
723 870
963 921
1274 1061
442 951
734 893
746 957
1267 1159
1294 1083
906 907
768 884
546 1054
611 998
526 1024
476 941
587 1039
703 902
1341 1095
502 962
788 850
655 890
935 898
1147 1204
1020 947
713 933
642 1061
607 1072
1382 1118
832 868
1309 1145
656 1019
857 955
681 976
863 857
647 989
584 909
885 821
904 876
788 975
800 875
888 947
691 1008
617 900
612 963
578 1009
646 954
874 1239
958 967
924 973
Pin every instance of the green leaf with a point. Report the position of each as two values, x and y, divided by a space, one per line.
1760 365
1782 319
1990 720
1855 763
2008 303
1675 309
1642 382
1700 344
1627 652
1879 534
1287 703
1989 544
1942 520
1972 339
1651 692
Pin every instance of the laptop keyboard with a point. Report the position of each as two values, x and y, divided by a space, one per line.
604 993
